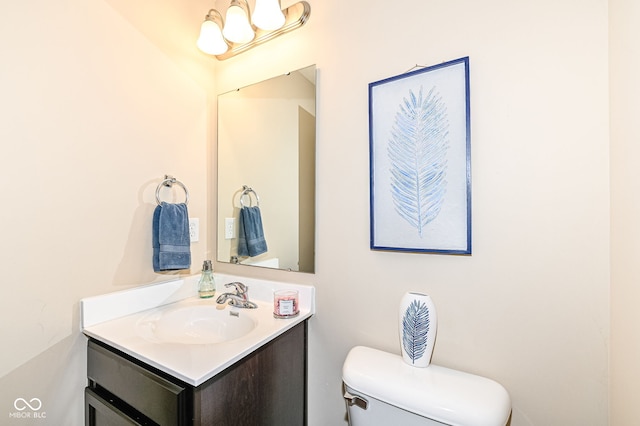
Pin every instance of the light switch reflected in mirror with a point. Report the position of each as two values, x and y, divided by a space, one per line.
266 143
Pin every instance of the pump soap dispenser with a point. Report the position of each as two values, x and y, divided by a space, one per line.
206 285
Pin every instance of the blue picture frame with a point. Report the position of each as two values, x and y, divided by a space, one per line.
420 160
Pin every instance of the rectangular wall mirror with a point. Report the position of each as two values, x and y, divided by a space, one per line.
266 158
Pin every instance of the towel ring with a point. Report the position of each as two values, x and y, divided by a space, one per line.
168 182
247 191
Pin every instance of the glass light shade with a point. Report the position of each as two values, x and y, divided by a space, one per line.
267 15
237 28
210 40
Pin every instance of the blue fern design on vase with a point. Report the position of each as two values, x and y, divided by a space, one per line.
415 329
417 152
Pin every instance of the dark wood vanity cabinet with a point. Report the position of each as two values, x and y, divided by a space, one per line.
266 388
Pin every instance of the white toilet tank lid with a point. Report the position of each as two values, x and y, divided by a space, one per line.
438 393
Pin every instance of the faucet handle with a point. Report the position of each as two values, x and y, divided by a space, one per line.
240 288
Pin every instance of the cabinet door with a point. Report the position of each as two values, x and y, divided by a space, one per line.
99 412
267 388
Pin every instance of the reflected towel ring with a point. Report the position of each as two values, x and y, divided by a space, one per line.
168 182
247 191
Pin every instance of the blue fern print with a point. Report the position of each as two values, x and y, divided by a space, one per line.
417 152
415 328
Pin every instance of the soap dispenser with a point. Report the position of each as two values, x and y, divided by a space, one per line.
206 285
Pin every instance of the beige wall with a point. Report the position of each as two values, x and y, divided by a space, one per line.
625 211
530 308
100 99
93 115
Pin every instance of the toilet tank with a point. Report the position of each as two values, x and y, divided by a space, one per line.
398 394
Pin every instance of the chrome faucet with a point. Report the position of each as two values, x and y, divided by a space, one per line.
239 299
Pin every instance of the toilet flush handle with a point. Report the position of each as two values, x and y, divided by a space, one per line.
355 400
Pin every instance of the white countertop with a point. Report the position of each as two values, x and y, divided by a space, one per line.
113 318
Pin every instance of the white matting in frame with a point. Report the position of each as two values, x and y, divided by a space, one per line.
420 160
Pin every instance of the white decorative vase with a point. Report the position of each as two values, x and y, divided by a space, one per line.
418 326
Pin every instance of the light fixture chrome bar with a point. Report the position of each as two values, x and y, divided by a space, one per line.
296 16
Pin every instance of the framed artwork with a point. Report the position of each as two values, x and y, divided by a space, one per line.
420 160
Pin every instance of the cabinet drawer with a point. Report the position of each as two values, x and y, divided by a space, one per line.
100 412
159 399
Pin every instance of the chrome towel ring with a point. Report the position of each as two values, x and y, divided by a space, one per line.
168 182
247 191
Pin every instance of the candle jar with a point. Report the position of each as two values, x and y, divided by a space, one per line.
285 303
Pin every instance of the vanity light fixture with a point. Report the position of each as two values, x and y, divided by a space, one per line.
268 16
211 40
236 35
237 28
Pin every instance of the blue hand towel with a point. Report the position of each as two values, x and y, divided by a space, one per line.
251 240
171 242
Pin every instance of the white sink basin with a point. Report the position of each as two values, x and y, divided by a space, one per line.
204 322
167 326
